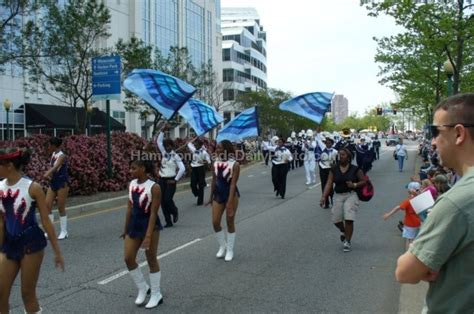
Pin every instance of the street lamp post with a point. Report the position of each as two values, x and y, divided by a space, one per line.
7 105
89 120
449 70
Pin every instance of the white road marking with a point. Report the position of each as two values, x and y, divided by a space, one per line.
123 273
250 175
264 172
313 186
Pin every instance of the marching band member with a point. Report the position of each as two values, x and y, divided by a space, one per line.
309 158
281 158
225 196
170 161
142 229
198 170
327 160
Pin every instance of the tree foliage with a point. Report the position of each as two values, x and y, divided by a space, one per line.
11 15
67 37
271 118
411 62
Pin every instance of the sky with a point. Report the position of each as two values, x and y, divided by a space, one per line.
323 45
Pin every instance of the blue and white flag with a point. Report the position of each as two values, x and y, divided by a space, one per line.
242 126
163 92
312 105
200 116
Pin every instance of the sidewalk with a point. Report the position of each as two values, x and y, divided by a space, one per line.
83 204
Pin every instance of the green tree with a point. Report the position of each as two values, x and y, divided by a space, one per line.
271 118
13 12
135 54
412 61
67 37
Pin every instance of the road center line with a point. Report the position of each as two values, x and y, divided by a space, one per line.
123 273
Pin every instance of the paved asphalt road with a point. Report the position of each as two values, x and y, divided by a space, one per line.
288 257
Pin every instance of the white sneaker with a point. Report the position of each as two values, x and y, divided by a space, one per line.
347 246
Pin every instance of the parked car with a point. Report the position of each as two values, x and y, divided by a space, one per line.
392 140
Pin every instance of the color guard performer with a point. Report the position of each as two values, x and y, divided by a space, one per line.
21 239
142 229
170 161
198 169
225 196
58 188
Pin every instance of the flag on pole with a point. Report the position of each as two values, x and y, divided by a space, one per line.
163 92
312 105
200 116
242 126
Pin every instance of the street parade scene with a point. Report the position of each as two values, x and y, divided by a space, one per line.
148 164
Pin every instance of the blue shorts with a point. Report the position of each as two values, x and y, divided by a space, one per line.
58 183
138 225
410 232
30 241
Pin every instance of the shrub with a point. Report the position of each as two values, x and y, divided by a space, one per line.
87 160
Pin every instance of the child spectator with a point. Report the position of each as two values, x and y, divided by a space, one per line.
441 184
427 185
411 222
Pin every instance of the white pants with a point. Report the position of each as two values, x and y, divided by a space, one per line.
310 167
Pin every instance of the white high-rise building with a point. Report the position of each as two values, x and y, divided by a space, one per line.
194 24
244 55
339 108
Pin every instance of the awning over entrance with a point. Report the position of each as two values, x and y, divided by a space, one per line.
40 116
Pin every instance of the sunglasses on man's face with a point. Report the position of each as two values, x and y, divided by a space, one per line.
434 129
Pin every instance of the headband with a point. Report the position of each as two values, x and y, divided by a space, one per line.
10 155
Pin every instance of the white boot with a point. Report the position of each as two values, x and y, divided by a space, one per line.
143 288
229 255
63 223
222 244
39 312
156 297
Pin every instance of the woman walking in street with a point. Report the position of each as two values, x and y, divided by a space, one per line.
142 229
170 161
58 188
401 153
346 178
225 197
21 239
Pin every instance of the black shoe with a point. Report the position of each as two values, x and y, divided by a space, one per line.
175 217
277 194
283 197
342 237
400 226
169 225
199 203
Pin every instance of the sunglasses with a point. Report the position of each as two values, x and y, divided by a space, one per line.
434 129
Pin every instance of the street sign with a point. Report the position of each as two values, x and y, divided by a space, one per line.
106 72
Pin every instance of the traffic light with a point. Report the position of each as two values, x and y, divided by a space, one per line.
394 110
379 111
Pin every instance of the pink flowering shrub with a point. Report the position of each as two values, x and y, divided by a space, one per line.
87 160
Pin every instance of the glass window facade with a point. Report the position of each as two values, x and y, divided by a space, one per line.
195 32
146 20
166 25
